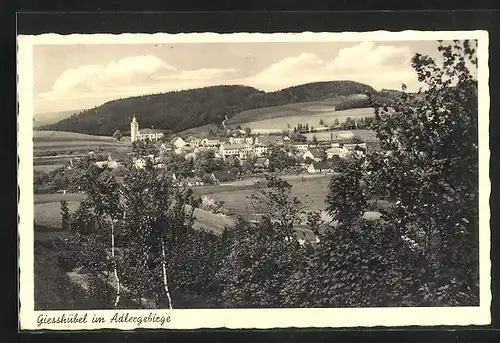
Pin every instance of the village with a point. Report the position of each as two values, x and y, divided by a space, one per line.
236 149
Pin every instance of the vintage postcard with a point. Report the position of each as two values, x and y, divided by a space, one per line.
246 180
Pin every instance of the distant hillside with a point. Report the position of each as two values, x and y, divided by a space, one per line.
46 118
182 110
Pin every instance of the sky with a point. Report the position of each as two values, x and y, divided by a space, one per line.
79 76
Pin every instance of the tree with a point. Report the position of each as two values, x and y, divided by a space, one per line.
424 250
248 131
65 216
147 222
321 122
315 140
346 200
261 257
279 159
117 135
356 140
430 171
349 123
206 163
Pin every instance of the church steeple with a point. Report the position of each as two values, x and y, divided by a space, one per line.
134 130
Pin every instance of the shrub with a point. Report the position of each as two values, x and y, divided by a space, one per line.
67 261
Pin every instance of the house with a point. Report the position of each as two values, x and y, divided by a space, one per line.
355 146
223 176
149 134
300 146
314 154
188 150
166 147
178 142
236 140
260 150
227 150
336 151
193 181
210 142
319 167
193 141
113 161
101 164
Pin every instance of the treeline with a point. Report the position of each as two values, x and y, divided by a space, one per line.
182 110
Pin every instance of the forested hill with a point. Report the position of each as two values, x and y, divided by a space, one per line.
181 110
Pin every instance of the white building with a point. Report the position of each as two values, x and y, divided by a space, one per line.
241 140
260 150
141 135
227 150
210 142
336 151
178 143
301 146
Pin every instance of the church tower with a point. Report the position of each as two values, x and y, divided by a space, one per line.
134 130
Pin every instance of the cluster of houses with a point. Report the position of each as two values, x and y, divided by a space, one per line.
314 156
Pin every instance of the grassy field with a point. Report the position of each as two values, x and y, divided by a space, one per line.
62 136
235 196
290 110
53 149
312 192
305 116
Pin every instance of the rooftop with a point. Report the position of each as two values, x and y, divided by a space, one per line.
149 131
233 146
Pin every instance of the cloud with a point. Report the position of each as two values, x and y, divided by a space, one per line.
382 66
134 75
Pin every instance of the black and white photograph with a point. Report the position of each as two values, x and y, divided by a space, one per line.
253 180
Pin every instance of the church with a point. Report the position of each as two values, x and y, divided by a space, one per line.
136 135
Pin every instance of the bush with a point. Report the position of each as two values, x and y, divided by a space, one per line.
67 261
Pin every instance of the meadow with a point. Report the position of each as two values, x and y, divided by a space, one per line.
235 197
306 115
53 149
288 110
312 192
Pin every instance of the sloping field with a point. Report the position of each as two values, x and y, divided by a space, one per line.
289 110
52 149
198 130
57 136
309 117
48 212
72 141
312 192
